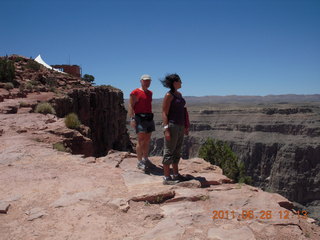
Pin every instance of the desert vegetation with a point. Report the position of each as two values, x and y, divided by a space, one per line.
219 153
72 121
8 86
60 147
7 70
88 78
45 108
33 65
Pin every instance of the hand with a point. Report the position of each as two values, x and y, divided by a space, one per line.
186 131
133 123
167 135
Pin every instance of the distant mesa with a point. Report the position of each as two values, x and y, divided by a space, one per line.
73 70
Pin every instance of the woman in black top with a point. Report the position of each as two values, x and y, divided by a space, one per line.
174 122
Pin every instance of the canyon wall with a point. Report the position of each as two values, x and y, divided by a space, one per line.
102 110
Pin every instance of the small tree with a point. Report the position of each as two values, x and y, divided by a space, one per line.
89 78
7 70
219 153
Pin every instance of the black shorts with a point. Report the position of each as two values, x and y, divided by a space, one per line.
144 122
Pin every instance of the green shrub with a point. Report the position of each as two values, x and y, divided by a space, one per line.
60 147
29 86
88 78
53 89
7 70
34 83
33 65
220 154
22 87
72 121
45 108
51 82
8 85
24 104
18 59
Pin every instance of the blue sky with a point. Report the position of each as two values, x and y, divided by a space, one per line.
218 47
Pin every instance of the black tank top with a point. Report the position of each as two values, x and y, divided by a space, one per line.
176 110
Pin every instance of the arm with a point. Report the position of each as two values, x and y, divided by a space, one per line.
132 102
165 110
187 122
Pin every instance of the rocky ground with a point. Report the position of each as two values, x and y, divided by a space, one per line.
47 194
279 141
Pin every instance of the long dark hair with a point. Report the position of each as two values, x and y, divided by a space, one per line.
169 80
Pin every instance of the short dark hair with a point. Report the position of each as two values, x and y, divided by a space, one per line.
169 80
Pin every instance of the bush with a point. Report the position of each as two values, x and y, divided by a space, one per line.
45 108
8 85
88 78
34 83
51 82
29 86
53 89
33 65
22 87
18 59
220 154
7 70
60 147
72 121
24 104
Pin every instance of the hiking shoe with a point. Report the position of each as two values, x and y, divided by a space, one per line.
169 181
141 165
148 164
181 178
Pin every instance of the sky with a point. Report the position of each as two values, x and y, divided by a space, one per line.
218 47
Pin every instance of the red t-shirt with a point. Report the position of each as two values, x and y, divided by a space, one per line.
144 99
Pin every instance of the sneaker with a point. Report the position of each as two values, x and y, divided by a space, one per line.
169 181
181 178
141 165
148 164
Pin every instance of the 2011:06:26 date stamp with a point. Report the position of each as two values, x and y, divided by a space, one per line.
262 214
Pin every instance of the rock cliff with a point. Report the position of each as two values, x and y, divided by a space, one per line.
100 109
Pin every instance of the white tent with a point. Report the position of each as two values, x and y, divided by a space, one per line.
40 60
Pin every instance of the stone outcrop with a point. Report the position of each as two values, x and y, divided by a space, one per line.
102 110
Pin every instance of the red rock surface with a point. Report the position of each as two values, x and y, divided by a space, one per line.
56 195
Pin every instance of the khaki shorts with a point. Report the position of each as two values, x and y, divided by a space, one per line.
172 148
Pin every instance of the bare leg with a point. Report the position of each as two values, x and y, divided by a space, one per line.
175 168
146 144
166 170
139 147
